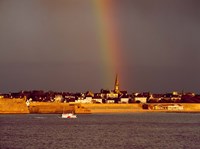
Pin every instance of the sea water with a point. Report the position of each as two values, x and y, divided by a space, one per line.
99 131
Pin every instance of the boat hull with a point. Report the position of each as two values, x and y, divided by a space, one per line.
69 115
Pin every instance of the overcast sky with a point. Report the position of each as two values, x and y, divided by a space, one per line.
54 45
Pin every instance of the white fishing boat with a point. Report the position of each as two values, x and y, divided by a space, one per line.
68 115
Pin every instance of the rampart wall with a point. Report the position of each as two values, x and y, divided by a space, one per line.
50 107
16 105
113 108
19 106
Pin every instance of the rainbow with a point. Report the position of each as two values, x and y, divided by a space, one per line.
108 36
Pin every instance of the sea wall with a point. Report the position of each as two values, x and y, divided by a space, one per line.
19 106
15 105
191 106
131 108
50 107
113 108
187 107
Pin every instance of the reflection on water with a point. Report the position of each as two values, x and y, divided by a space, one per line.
117 131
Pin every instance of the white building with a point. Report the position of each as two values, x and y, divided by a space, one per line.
97 100
110 101
58 98
85 100
124 100
112 95
141 99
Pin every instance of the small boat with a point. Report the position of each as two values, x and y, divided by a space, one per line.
68 115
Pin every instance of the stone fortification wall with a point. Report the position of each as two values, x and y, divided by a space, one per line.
187 107
128 108
15 105
191 106
50 107
19 106
81 109
113 108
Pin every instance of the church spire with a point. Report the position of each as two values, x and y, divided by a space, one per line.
116 87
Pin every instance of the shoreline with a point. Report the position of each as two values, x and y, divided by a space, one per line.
114 112
18 106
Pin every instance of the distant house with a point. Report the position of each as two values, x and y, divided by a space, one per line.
88 99
190 94
123 93
105 94
58 98
97 100
6 95
89 94
85 100
79 100
124 100
17 95
110 100
112 95
175 98
171 97
141 99
155 98
113 100
70 98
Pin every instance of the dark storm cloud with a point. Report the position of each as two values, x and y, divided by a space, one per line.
47 45
53 45
166 29
39 29
162 45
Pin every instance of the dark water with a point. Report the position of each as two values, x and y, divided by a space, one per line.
117 131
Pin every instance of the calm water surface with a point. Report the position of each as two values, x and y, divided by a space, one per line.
112 131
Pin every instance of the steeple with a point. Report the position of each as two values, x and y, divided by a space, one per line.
116 87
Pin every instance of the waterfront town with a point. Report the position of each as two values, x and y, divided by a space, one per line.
105 96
